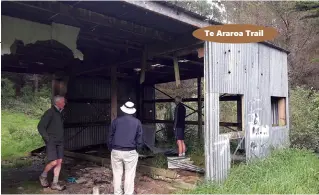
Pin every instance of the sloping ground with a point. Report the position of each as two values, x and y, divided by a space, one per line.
289 171
24 180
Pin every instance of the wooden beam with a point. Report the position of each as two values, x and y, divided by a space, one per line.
188 61
186 52
89 100
169 63
113 93
111 37
234 135
99 123
97 19
110 44
31 69
86 124
224 98
158 80
101 68
227 124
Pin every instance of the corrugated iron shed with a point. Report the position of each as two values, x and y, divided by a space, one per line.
117 40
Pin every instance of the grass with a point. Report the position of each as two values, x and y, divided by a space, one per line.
286 171
19 135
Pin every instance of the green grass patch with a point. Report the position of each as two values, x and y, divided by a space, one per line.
19 134
289 171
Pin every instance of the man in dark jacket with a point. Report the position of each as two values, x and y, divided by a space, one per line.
179 125
51 129
125 137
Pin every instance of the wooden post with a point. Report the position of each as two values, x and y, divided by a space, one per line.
138 100
176 70
240 114
141 102
113 93
199 104
52 87
143 66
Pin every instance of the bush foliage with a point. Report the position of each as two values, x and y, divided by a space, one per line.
29 103
304 118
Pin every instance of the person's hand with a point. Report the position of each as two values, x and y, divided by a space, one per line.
46 140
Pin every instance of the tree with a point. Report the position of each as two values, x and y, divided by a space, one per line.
311 7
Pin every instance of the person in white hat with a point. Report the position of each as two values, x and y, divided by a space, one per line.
125 138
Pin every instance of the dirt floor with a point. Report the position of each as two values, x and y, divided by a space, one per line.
24 180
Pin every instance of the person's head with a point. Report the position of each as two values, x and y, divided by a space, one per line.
128 108
59 101
178 99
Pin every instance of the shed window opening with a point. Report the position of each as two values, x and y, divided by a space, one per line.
278 111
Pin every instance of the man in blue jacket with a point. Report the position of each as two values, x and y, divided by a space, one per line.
125 137
179 125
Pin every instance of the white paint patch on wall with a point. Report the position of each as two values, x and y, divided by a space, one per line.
30 32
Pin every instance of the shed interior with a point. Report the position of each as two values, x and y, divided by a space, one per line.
118 40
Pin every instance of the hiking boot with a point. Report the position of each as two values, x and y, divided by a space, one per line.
44 181
56 186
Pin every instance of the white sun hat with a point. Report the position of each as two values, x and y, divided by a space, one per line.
128 108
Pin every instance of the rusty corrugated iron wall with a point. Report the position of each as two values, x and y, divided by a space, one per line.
256 72
87 114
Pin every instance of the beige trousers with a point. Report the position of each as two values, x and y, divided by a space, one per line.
129 160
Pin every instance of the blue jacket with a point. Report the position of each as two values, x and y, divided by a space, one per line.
125 134
179 116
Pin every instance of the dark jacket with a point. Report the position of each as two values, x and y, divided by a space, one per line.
125 134
50 126
179 116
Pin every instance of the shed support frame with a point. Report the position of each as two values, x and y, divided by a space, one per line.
199 103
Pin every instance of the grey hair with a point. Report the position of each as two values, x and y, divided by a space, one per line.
56 99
